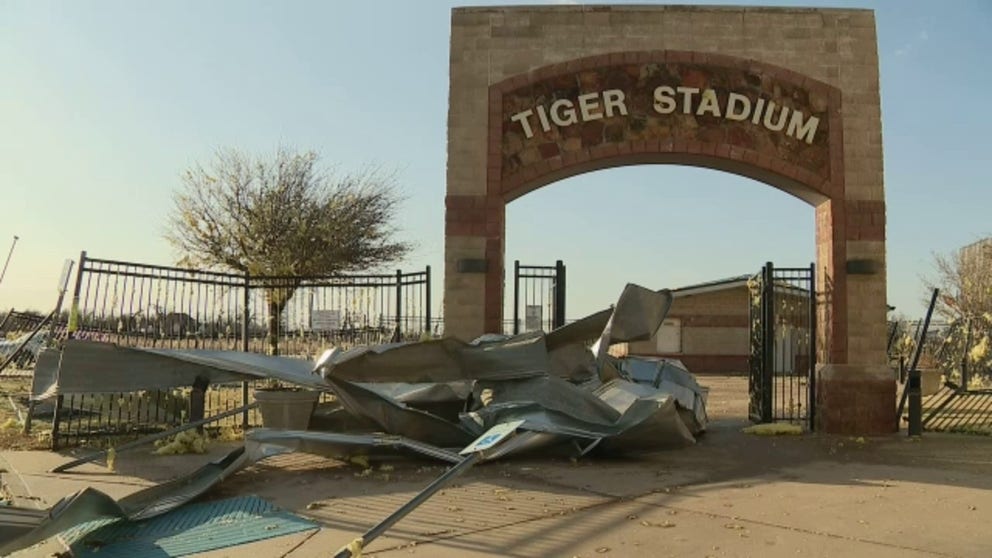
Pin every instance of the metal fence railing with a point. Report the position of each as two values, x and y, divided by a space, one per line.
22 335
143 305
149 305
782 363
539 295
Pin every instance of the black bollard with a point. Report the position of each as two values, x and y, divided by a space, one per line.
915 403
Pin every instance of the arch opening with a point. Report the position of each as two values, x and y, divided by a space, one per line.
548 109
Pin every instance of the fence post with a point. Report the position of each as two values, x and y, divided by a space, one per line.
559 295
965 371
398 333
913 365
915 403
811 381
516 297
198 401
245 316
3 322
768 345
71 328
427 299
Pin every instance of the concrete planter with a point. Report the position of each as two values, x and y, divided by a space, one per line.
930 381
286 409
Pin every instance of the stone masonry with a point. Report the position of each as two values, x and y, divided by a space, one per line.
519 77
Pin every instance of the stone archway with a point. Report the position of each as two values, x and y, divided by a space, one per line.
788 97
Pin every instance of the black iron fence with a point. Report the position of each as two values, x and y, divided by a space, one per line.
953 375
14 323
22 334
782 362
144 305
90 417
539 294
156 306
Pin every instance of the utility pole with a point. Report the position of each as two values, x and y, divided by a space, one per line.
9 254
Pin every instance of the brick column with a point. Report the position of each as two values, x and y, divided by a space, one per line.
856 391
474 228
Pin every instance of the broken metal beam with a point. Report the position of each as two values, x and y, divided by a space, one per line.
151 438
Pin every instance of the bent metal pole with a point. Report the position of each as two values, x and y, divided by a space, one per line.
473 453
9 254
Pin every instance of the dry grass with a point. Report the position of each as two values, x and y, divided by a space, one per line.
12 413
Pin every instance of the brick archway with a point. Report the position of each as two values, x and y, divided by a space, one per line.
771 122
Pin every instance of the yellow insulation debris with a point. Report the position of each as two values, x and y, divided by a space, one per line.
189 441
774 429
355 547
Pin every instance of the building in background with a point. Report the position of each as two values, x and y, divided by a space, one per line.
707 328
980 251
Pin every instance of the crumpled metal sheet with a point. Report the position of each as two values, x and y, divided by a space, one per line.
44 381
440 360
671 376
431 391
573 362
580 331
424 393
561 391
651 418
550 393
16 522
262 443
22 528
33 346
94 367
637 316
649 422
396 417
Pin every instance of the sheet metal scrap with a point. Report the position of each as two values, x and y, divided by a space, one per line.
94 367
396 417
445 392
263 442
441 360
23 527
421 398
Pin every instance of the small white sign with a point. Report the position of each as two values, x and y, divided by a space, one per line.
492 437
326 320
532 317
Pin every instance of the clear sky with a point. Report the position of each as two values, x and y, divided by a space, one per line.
104 103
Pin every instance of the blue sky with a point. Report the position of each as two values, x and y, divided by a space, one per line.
104 103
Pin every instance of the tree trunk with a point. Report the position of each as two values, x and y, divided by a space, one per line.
277 297
275 309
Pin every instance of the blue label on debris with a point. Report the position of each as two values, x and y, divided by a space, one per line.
492 437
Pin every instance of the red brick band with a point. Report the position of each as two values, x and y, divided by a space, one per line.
865 220
474 216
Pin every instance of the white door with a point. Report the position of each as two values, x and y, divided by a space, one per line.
669 336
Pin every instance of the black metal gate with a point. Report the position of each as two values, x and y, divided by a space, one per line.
539 290
782 363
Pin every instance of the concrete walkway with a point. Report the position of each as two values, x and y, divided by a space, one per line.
730 495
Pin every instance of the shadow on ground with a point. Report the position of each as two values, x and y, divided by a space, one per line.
728 481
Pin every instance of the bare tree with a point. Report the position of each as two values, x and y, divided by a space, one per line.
964 278
283 216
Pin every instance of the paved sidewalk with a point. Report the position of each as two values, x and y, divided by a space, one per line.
731 495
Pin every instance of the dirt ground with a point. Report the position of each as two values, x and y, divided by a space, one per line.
731 494
14 389
498 508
